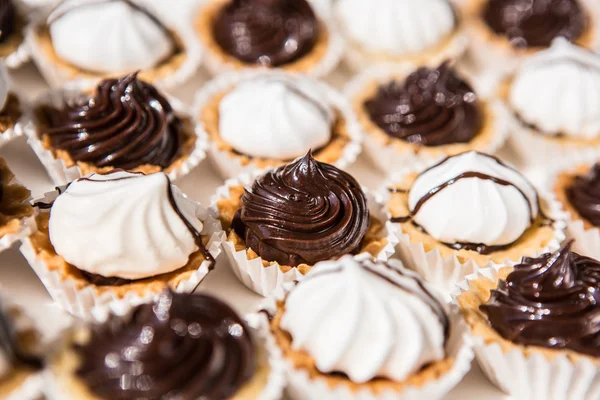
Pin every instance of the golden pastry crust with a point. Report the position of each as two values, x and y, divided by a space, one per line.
11 113
535 238
14 206
166 68
479 293
204 22
480 142
14 41
373 242
563 182
187 147
303 361
44 251
330 153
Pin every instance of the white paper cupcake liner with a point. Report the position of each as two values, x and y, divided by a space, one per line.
31 389
80 302
387 157
326 65
57 77
266 280
230 166
302 387
61 174
536 376
27 228
445 272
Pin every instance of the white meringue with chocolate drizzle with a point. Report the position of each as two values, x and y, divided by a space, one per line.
493 209
123 225
366 320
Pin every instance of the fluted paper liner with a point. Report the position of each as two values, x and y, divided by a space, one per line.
265 280
387 157
30 389
81 302
230 166
61 174
535 376
301 386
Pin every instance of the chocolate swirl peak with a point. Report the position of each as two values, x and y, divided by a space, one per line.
584 195
550 301
303 213
267 32
183 347
8 18
126 124
535 23
433 107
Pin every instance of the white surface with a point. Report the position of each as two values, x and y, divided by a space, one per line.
20 283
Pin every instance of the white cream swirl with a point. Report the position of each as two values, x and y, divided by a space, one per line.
366 319
558 91
275 117
111 37
396 26
494 208
123 225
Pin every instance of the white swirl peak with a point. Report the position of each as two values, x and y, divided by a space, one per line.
494 210
111 37
366 319
123 225
275 117
558 91
396 26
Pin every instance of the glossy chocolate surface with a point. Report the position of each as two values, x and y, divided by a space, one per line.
584 195
535 23
267 32
550 301
433 107
127 124
303 213
184 347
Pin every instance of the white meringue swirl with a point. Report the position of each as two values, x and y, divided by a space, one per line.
366 319
396 26
123 225
111 37
558 91
275 117
473 209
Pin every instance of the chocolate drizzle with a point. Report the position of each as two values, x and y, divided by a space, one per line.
267 32
183 347
551 301
431 108
536 23
303 213
584 195
9 346
8 17
127 124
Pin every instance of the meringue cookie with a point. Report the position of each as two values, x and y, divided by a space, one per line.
4 85
111 37
275 117
123 225
366 319
493 208
558 91
396 26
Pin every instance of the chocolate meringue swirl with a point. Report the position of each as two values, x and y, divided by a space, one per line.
550 301
8 17
535 23
433 107
267 32
584 195
183 346
303 213
127 124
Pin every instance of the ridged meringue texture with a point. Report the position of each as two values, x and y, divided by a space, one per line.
473 201
124 225
557 91
110 37
275 117
550 301
396 26
366 319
